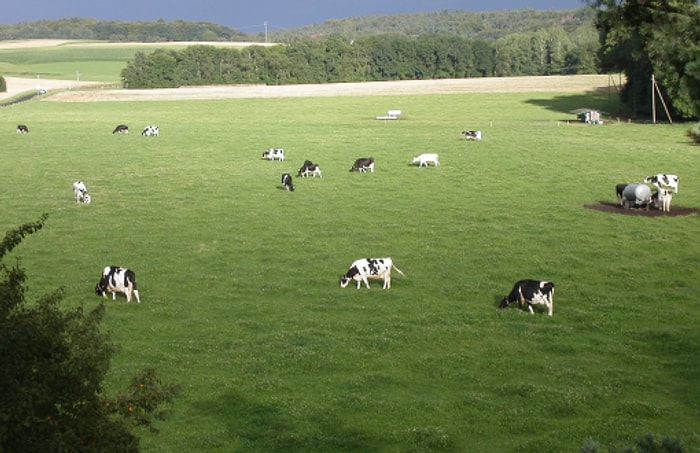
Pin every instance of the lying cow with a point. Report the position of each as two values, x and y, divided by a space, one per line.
115 280
531 292
471 135
366 268
662 199
274 153
81 193
150 131
424 159
121 129
22 129
287 182
363 164
636 195
309 168
663 180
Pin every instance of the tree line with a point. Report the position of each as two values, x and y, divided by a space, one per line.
373 58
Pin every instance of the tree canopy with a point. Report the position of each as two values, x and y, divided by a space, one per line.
659 38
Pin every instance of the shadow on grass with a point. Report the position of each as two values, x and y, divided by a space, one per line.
603 99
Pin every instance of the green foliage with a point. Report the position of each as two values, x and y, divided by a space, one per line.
54 365
694 133
662 39
3 84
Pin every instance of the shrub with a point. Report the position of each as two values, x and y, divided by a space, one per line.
694 133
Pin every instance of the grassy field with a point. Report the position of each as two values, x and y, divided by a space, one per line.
239 278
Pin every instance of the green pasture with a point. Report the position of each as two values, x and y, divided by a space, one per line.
239 279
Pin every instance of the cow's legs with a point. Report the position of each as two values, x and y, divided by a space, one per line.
136 294
387 282
531 310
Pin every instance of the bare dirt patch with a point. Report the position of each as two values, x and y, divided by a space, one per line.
615 208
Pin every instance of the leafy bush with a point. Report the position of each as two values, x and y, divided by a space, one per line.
694 133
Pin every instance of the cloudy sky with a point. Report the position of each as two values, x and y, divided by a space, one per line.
249 16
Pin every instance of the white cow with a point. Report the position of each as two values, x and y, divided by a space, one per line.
424 159
81 193
662 200
366 268
274 153
115 280
662 180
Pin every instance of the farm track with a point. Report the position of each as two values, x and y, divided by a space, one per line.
567 84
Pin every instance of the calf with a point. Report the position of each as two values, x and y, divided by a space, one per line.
363 164
662 200
80 192
471 135
115 280
423 159
366 268
287 182
121 129
274 153
309 168
636 195
150 131
22 129
532 292
663 180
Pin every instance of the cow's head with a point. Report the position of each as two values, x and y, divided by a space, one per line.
100 290
504 303
344 281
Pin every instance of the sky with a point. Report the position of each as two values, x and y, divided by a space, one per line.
250 16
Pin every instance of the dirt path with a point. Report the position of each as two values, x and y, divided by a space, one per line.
579 83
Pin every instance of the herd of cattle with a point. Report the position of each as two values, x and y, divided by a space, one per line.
639 195
117 279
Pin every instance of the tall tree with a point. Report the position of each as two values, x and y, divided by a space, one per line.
642 38
53 366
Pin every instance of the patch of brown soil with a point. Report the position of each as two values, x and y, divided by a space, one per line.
615 208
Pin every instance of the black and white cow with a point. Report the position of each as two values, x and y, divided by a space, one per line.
309 168
22 129
121 129
274 153
662 199
363 164
151 131
366 268
472 135
663 180
81 193
287 182
619 189
115 280
531 292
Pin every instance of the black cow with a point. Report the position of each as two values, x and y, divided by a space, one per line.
22 129
287 182
309 168
121 129
363 164
531 292
619 189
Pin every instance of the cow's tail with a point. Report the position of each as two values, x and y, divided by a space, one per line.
397 269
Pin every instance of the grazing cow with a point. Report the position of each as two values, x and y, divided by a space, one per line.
662 200
22 129
472 135
274 153
80 192
121 129
115 280
423 159
531 292
366 268
663 180
636 195
309 168
363 164
150 131
618 190
287 182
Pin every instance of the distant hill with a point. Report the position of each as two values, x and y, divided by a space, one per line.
465 24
